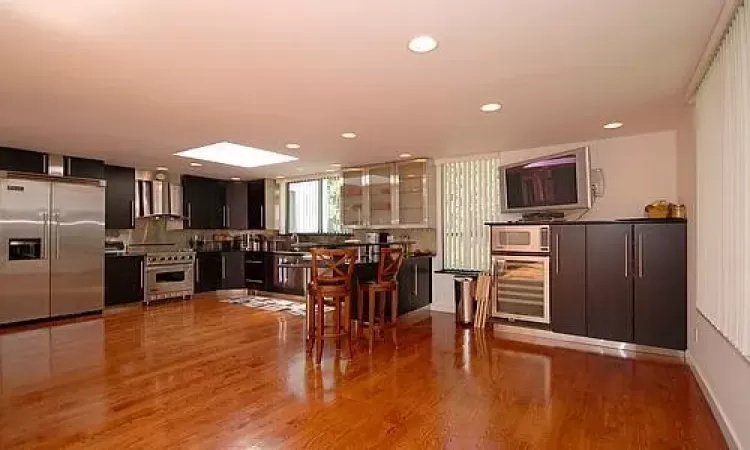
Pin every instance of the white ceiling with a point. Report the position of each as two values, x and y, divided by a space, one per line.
133 81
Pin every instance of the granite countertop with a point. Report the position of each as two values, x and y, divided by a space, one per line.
634 220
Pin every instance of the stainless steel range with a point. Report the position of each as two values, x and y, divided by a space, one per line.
169 274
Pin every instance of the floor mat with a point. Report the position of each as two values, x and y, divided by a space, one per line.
271 304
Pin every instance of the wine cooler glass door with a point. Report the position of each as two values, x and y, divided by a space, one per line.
521 288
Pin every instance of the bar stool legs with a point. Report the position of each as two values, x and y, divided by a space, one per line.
316 324
376 321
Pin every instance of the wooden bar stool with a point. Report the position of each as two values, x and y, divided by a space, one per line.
331 278
387 282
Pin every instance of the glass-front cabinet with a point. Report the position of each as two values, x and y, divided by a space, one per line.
413 198
395 195
380 185
353 198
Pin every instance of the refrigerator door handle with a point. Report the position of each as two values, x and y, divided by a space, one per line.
57 235
45 235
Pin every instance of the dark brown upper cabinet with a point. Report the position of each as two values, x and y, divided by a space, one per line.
83 168
18 160
237 205
568 279
256 205
660 287
204 203
609 281
119 210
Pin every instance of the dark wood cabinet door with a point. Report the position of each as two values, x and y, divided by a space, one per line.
423 285
83 167
233 270
661 285
208 274
18 160
256 205
217 203
123 279
609 275
197 207
237 204
119 198
406 286
568 279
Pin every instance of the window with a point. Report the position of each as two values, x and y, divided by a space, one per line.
470 198
314 206
723 194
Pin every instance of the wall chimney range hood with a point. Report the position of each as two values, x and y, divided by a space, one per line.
157 196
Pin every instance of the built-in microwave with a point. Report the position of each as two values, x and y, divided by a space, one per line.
520 238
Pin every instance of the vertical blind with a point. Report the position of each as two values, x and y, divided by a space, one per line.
471 195
723 187
314 206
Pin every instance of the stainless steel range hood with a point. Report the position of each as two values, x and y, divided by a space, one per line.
157 195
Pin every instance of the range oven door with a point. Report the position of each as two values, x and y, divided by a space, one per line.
165 280
520 288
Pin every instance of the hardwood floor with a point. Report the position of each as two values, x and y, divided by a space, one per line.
204 374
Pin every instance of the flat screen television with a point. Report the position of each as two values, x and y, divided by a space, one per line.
550 183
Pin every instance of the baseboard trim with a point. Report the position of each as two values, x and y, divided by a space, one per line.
587 344
726 428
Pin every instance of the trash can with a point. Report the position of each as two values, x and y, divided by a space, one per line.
464 297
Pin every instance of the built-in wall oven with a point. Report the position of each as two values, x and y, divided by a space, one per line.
520 272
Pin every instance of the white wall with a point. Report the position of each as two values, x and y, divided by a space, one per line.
723 371
637 170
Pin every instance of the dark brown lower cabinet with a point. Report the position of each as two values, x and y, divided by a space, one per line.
568 279
233 270
609 281
123 279
660 286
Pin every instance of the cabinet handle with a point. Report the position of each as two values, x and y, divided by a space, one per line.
416 284
190 214
197 270
69 166
627 249
45 163
223 267
262 217
132 214
557 253
640 255
228 212
141 274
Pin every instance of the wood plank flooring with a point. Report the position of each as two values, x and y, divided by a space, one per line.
204 374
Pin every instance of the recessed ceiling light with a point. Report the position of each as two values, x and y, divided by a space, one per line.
293 146
423 44
348 135
405 155
613 125
491 107
335 165
330 170
280 177
235 178
236 155
162 169
195 164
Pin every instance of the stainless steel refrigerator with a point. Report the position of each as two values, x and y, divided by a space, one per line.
51 247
